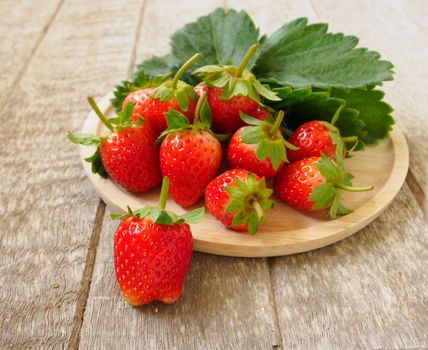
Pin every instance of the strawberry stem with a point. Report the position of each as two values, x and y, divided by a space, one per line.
259 210
164 192
246 59
277 124
350 139
197 117
354 189
183 68
100 115
336 114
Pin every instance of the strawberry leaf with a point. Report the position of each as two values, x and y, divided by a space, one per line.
97 164
375 113
140 80
303 55
84 139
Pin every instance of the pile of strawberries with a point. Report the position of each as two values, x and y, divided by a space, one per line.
189 137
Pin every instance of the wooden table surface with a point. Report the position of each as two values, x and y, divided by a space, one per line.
57 284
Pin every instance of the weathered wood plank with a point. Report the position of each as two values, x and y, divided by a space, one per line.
48 207
399 31
22 27
225 304
366 292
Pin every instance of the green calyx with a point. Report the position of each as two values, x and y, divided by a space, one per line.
249 202
161 216
267 136
140 80
236 81
177 122
118 123
334 132
328 194
176 88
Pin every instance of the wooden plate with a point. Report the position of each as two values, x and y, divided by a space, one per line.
286 230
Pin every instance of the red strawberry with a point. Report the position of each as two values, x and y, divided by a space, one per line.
128 154
316 137
152 252
190 155
239 199
225 113
260 147
232 90
315 183
151 104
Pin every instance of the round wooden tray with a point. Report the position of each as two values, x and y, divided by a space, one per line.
286 231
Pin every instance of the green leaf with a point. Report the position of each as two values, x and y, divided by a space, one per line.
327 168
175 120
162 216
217 37
249 119
194 216
140 80
205 114
243 194
84 139
97 164
322 195
375 113
124 116
303 55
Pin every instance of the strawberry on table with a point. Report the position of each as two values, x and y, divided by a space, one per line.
239 199
315 184
231 90
259 147
152 103
152 252
190 155
128 154
316 137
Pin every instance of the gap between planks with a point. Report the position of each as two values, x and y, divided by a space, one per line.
85 284
417 192
26 62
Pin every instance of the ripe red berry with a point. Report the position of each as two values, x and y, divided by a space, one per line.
128 154
231 90
152 110
259 147
239 199
315 183
190 155
152 103
152 252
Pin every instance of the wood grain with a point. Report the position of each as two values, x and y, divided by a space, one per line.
48 207
366 292
18 41
225 304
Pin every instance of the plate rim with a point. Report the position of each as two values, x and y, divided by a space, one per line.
359 218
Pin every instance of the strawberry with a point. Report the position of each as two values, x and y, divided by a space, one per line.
239 199
190 155
152 103
259 147
231 90
128 154
316 137
152 252
315 184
